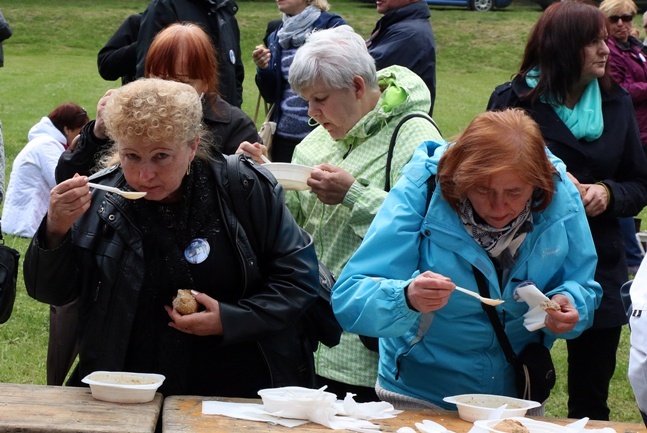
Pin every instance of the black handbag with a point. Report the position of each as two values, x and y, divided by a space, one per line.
319 321
9 259
533 367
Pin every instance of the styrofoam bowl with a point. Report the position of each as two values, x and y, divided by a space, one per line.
296 402
532 425
290 176
473 407
123 387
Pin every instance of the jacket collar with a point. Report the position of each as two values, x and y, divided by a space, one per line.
216 109
415 10
634 45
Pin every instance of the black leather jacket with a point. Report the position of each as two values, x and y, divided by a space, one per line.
102 261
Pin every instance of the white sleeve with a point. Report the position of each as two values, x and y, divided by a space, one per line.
638 357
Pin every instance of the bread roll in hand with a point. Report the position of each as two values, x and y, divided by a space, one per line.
185 303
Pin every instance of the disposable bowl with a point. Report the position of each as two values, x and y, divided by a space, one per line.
290 176
123 387
532 425
297 402
473 407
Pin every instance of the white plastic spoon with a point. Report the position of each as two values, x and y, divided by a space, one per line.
483 299
265 159
498 412
131 195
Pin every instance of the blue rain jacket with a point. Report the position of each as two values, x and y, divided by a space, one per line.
454 350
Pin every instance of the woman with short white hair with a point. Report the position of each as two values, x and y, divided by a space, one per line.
357 110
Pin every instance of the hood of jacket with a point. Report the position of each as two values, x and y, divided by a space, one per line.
402 92
416 10
46 127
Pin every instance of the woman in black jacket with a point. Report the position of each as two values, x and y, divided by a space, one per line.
125 260
588 122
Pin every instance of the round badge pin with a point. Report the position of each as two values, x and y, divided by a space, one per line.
232 57
197 251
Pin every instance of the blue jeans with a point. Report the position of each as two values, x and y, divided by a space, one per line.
632 249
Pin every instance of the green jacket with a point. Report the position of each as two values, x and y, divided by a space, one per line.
339 230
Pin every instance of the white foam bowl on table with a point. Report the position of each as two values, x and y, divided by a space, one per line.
123 387
296 402
473 407
290 176
532 425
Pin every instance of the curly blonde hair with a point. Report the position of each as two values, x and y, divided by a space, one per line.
149 111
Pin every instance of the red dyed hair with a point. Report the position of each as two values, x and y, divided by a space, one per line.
494 142
69 115
183 42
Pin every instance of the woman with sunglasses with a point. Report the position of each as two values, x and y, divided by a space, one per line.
628 67
627 60
586 120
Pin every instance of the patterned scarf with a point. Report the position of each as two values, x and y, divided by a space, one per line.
501 244
296 28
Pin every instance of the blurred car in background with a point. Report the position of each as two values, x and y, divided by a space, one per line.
473 5
641 4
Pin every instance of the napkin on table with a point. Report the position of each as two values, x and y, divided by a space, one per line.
346 415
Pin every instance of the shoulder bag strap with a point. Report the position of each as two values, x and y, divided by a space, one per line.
389 156
494 319
236 195
258 106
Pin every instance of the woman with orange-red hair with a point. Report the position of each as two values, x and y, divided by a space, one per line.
501 213
181 52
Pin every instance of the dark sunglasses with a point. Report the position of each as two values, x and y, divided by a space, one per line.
625 18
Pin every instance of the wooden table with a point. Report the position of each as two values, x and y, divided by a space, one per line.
183 414
38 408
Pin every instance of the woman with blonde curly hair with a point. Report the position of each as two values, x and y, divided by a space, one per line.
125 260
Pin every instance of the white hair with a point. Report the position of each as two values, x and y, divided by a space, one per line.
335 57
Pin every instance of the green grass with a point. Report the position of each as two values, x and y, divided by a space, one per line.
52 58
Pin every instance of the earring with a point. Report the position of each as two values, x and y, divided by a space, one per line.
188 169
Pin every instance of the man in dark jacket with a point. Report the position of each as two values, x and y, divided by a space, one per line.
118 58
5 33
403 36
216 17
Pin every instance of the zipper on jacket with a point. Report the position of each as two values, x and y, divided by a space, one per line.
397 368
267 363
96 291
350 148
